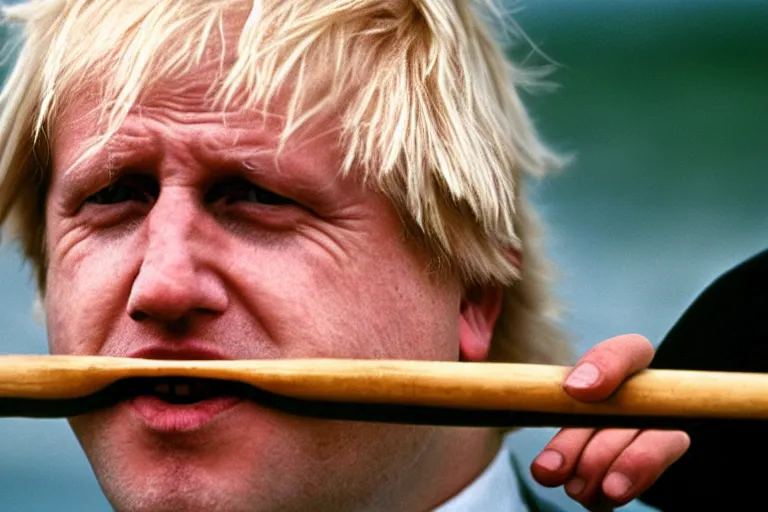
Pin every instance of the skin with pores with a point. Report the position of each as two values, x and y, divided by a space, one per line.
204 241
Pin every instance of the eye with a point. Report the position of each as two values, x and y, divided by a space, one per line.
241 190
135 187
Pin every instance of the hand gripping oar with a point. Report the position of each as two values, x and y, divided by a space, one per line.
418 392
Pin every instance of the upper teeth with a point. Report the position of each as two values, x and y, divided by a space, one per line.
199 387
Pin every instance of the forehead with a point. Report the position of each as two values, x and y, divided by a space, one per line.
181 121
185 109
195 91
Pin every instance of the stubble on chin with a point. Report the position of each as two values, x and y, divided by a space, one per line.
318 466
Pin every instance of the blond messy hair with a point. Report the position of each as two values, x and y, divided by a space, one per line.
428 106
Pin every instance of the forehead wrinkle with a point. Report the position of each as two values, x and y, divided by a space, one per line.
126 143
256 152
213 152
236 134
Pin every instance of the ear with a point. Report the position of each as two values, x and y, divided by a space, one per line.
480 308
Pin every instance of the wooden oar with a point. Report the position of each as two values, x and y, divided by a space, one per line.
442 393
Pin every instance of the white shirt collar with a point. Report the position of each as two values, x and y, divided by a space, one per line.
495 490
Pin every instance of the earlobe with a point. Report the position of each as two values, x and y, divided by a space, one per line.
480 309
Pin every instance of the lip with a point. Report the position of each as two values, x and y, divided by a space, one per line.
162 417
188 352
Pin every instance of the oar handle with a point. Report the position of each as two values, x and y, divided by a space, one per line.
475 386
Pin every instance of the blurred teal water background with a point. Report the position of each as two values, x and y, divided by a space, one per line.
665 106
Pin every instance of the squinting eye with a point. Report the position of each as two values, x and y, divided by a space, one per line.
129 188
259 195
236 190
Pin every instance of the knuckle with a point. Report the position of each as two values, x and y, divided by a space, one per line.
604 449
570 442
615 357
594 462
639 340
645 460
644 466
607 357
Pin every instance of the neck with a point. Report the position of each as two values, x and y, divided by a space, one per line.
455 459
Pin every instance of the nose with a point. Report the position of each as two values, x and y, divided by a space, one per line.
177 276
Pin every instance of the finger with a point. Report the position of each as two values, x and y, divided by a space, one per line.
597 457
556 462
601 370
642 462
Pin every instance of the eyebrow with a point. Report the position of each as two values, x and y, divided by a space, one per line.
247 149
255 155
244 148
112 155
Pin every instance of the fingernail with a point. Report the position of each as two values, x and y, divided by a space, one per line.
574 486
550 460
616 485
585 375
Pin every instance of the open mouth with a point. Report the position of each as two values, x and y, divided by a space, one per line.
179 404
172 391
183 390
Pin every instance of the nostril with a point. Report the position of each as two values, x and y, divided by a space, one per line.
138 316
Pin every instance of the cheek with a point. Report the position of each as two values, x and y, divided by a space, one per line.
411 314
414 318
86 295
366 307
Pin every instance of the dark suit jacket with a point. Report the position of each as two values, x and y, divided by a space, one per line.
725 329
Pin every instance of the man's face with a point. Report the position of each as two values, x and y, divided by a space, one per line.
187 237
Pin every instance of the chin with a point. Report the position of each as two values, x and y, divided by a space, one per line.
140 469
180 487
247 459
173 493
